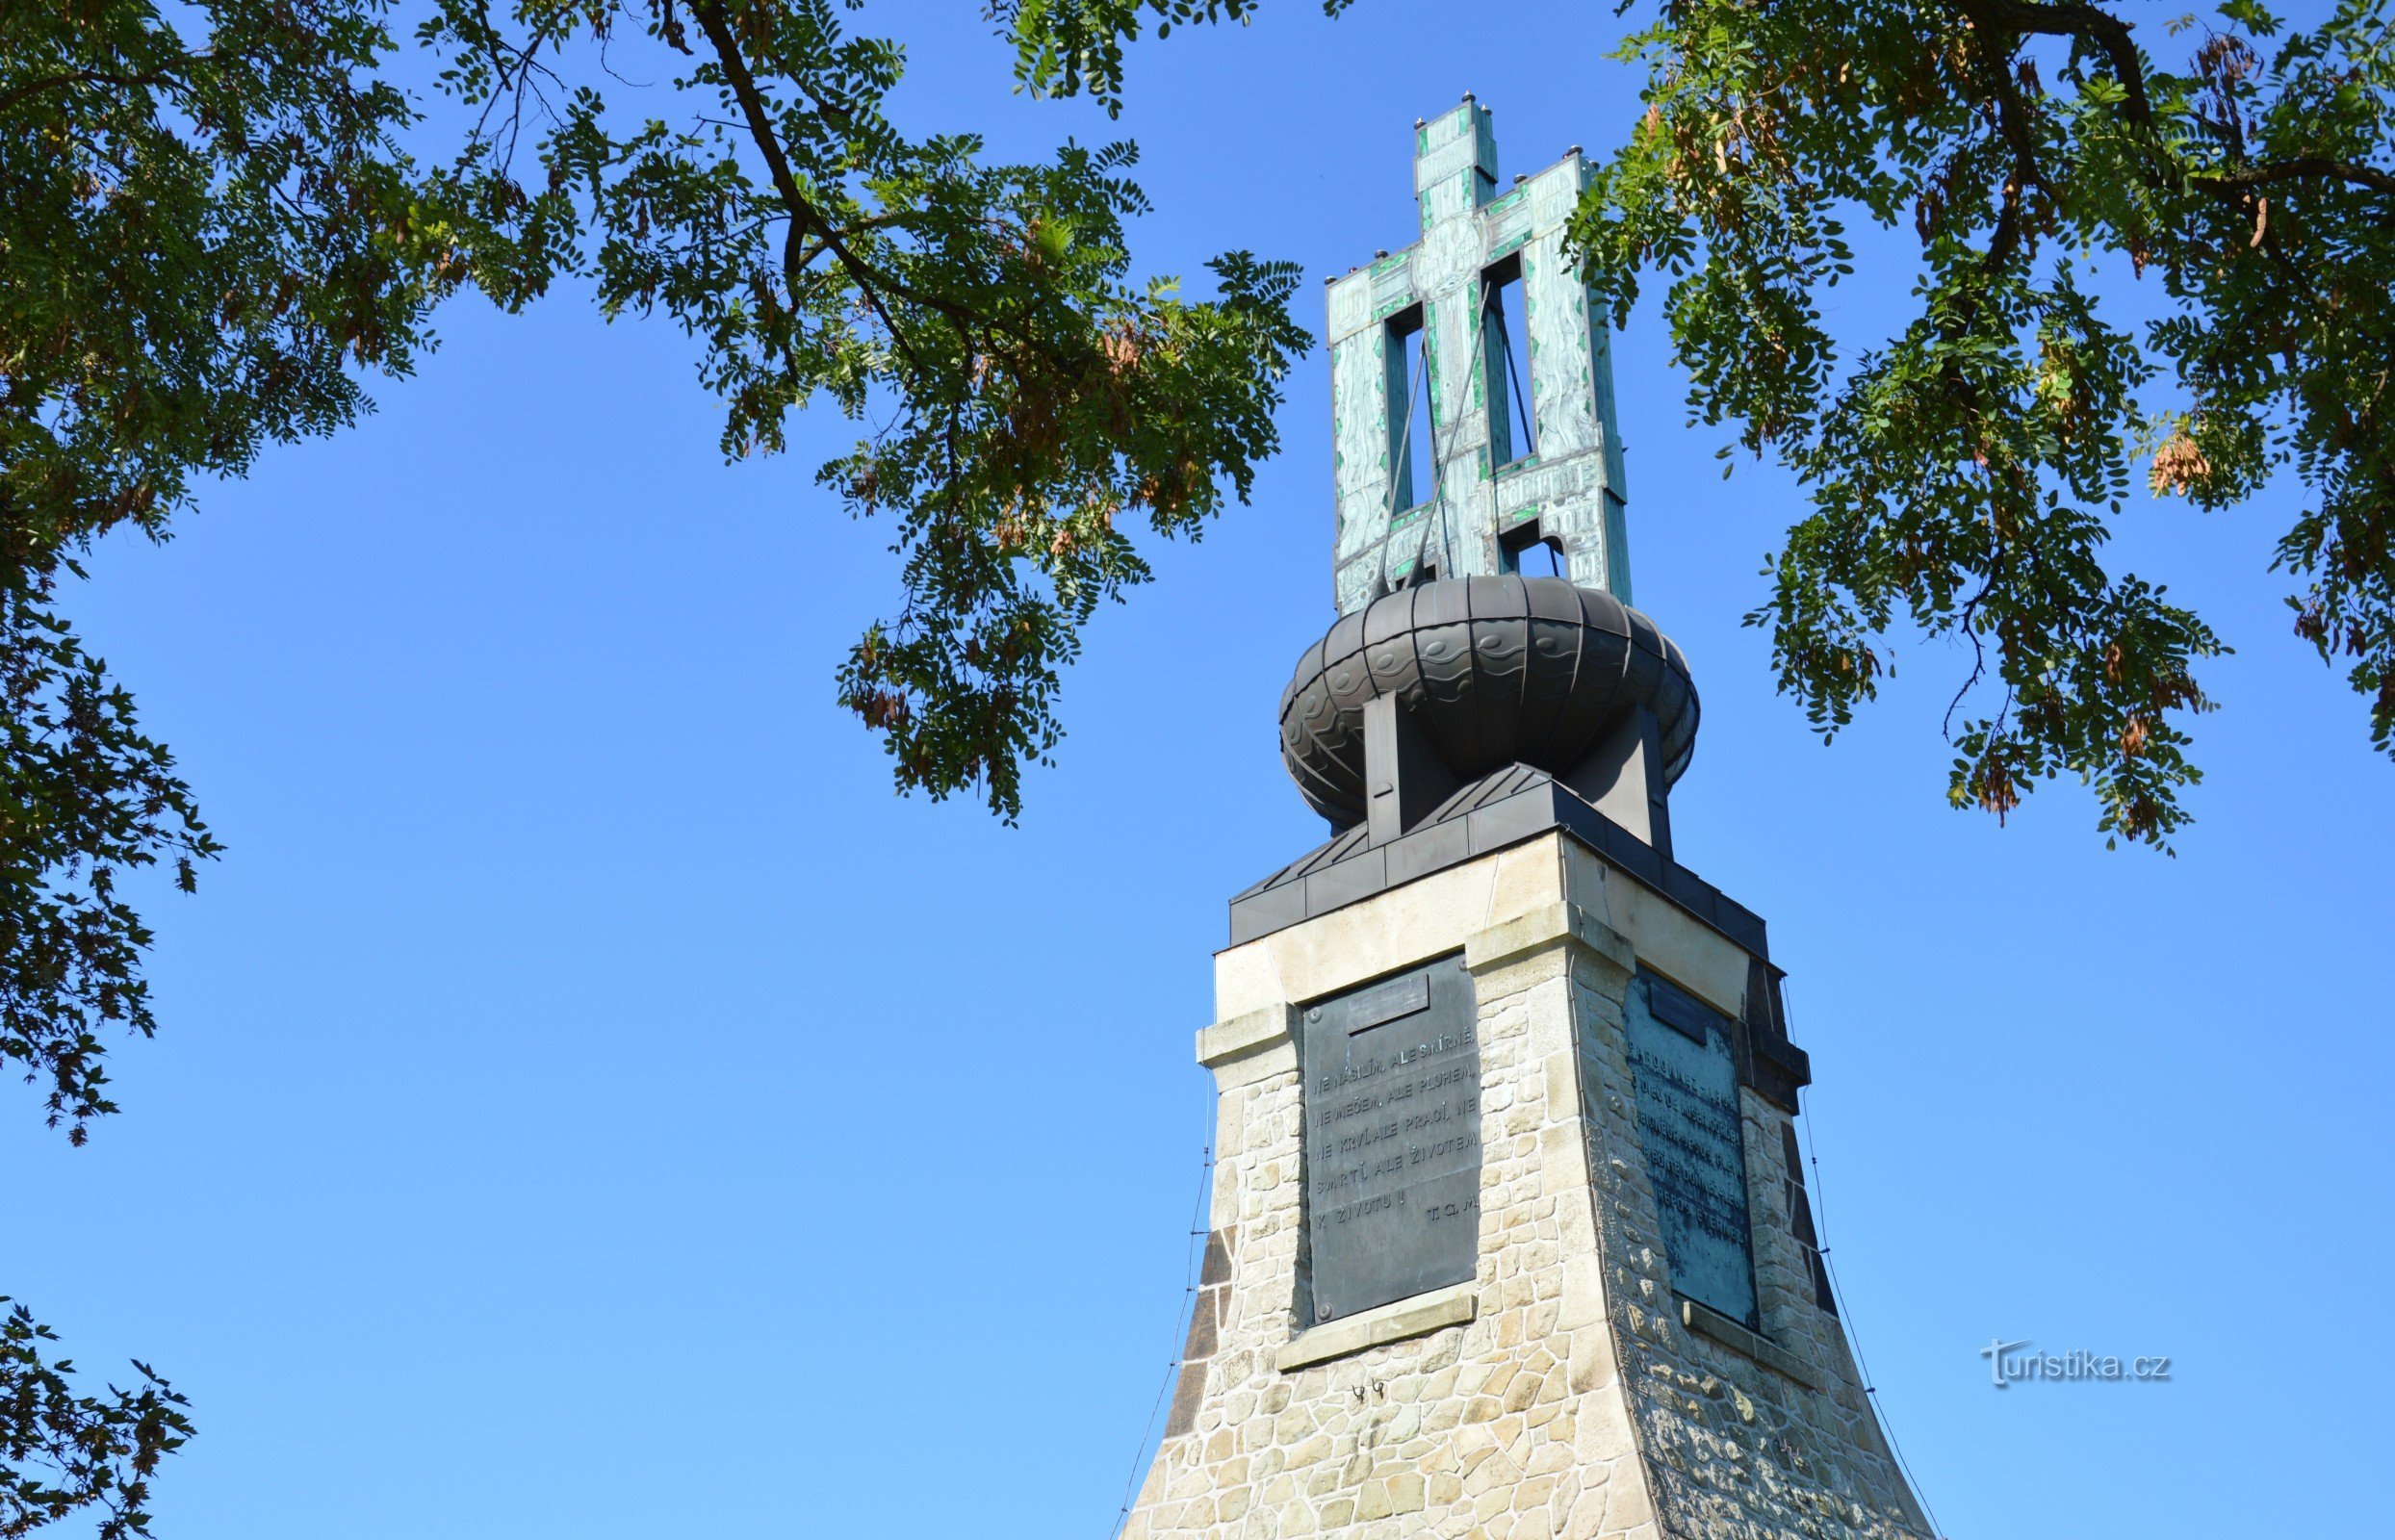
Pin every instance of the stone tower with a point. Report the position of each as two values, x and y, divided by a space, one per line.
1509 1233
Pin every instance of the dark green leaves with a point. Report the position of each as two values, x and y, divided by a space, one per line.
1030 404
205 232
1966 473
1014 497
1070 46
62 1451
210 233
84 798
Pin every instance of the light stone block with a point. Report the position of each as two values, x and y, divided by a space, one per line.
1722 1329
1424 919
1244 1035
1663 935
1540 929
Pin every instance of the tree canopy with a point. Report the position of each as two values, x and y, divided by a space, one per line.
217 217
1966 473
203 240
218 220
1041 402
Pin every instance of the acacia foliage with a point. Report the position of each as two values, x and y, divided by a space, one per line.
215 227
63 1452
206 236
207 231
1966 473
219 217
1030 404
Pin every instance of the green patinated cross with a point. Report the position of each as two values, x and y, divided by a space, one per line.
1493 495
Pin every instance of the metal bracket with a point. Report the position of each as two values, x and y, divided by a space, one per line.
1406 777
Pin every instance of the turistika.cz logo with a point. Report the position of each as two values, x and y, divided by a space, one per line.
2011 1363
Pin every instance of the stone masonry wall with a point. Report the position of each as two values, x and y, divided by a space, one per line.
1557 1396
1734 1448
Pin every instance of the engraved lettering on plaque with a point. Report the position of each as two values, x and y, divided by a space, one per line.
1690 1124
1392 1146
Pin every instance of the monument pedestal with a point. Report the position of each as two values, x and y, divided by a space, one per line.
1635 1338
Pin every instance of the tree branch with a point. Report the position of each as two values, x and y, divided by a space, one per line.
2300 169
2072 18
99 77
804 215
879 221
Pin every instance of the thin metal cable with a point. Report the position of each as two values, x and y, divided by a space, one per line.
1193 1260
1404 443
1846 1312
1521 403
1438 481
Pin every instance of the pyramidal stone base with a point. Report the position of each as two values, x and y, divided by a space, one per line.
1570 1379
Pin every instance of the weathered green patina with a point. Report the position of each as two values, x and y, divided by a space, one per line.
1490 497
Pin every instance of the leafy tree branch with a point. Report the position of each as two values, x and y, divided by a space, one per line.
1032 400
64 1452
217 226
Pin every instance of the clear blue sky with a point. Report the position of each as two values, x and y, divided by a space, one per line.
590 1104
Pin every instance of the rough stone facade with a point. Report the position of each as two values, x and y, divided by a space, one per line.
1563 1392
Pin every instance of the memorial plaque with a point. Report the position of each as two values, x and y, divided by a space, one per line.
1392 1143
1689 1122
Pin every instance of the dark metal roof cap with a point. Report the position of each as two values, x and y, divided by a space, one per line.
1500 670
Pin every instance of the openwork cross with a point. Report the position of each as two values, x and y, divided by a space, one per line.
1524 461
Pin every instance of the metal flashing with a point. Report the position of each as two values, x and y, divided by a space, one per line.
1496 811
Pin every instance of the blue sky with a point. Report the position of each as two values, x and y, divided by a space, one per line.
590 1103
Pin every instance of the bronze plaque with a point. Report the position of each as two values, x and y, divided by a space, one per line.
1392 1146
1691 1123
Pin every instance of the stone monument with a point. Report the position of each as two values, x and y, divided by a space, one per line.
1509 1233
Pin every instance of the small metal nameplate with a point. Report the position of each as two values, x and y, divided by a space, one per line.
1386 1002
1679 1009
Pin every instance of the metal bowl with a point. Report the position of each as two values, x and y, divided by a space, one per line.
1499 670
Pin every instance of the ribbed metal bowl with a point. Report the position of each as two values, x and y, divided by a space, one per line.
1499 670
